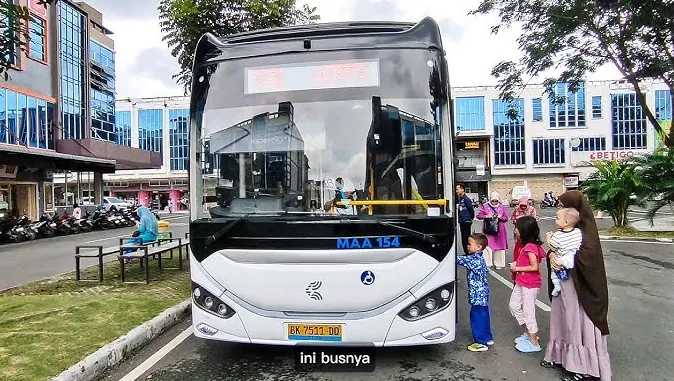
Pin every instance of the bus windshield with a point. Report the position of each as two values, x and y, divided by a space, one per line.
322 137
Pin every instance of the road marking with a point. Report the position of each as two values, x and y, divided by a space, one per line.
503 280
631 241
105 239
160 354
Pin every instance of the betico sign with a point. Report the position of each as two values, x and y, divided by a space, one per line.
614 155
585 159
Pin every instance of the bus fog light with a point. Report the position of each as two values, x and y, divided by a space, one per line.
208 302
430 304
222 309
445 294
197 292
414 311
207 329
435 333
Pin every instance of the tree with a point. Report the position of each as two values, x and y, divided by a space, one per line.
657 172
611 188
579 36
185 21
14 21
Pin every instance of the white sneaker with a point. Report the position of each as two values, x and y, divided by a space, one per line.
490 342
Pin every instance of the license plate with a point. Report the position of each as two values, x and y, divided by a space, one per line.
315 332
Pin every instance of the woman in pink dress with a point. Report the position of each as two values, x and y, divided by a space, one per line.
498 243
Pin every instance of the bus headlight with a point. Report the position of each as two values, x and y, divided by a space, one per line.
210 303
429 304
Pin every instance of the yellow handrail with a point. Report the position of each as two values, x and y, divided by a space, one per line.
439 202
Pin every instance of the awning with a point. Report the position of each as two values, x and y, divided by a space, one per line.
124 157
12 154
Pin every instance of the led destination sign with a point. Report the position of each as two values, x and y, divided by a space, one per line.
321 75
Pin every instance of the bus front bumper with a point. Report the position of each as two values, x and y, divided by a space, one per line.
383 330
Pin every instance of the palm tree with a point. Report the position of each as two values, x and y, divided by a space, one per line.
611 187
657 173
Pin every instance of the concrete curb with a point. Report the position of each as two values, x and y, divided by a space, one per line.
619 238
94 365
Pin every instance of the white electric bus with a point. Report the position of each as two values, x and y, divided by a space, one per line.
322 186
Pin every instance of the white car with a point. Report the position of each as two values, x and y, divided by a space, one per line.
518 192
108 202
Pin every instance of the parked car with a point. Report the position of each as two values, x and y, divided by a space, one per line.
517 192
109 202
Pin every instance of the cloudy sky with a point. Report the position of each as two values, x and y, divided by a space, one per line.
145 65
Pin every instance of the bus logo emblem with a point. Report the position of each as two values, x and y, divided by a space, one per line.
311 290
367 277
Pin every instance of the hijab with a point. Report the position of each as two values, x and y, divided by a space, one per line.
147 220
588 273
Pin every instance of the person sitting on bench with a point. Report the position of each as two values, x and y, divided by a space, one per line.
147 229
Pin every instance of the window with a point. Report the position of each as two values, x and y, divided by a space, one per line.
549 151
150 127
537 106
567 109
38 39
629 122
597 143
12 113
22 118
13 56
508 133
178 137
73 70
25 120
103 115
3 116
102 92
663 105
469 114
596 107
123 128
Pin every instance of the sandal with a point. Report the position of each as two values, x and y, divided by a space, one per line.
549 364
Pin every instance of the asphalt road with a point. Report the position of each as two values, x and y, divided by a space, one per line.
30 261
640 283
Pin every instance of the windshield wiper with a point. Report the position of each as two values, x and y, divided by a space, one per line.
424 237
220 233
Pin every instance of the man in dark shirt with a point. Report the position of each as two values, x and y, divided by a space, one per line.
465 215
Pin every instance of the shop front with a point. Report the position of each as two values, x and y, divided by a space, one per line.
473 167
27 185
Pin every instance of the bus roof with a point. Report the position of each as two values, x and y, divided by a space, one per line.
320 37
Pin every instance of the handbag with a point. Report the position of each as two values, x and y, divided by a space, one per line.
491 225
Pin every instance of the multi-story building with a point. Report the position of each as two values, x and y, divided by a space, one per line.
159 125
548 146
50 141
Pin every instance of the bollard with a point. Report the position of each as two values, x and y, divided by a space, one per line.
163 227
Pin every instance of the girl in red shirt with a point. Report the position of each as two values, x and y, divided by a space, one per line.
527 282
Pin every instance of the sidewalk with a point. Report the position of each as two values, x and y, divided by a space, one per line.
660 224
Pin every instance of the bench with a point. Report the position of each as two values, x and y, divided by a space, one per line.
98 251
144 252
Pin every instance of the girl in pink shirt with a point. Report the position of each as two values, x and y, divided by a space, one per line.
527 282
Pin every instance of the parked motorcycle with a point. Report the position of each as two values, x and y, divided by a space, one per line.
45 226
8 229
24 226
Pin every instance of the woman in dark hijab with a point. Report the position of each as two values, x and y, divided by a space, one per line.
578 322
